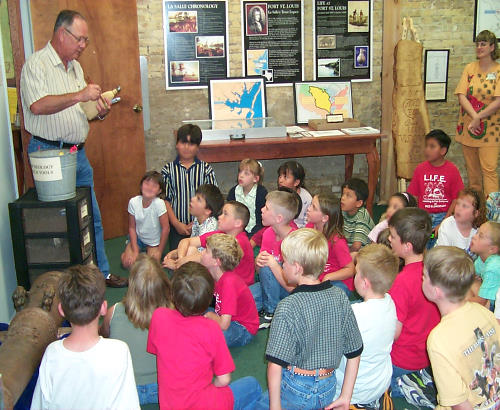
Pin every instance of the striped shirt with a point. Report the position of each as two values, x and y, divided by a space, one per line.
358 227
44 74
181 184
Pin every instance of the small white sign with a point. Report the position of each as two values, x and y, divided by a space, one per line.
46 169
86 238
84 211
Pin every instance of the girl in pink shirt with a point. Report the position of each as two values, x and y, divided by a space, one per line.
325 215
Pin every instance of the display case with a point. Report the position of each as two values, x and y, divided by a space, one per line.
51 235
237 129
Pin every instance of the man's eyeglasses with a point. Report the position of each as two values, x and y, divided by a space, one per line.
81 39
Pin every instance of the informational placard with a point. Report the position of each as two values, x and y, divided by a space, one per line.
343 39
273 40
196 46
46 169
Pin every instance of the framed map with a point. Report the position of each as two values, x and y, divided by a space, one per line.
240 99
487 17
314 100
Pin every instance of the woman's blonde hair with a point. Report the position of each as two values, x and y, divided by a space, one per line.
148 289
490 38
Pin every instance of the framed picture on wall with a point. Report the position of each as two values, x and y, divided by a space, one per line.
487 17
237 99
316 99
436 74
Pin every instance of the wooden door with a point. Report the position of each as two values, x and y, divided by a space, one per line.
115 146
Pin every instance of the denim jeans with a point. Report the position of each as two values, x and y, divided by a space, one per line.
436 219
257 295
397 372
237 335
84 177
246 392
272 291
342 286
148 393
302 392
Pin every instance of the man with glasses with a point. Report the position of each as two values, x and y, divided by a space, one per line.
52 88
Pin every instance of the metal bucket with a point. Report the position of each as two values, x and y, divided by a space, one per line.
54 172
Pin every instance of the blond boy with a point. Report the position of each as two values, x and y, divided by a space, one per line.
462 347
235 309
376 269
312 329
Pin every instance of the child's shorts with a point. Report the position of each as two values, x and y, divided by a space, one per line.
142 246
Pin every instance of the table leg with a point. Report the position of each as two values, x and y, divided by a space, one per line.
349 164
373 159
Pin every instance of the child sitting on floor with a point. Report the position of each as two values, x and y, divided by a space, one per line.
232 221
397 201
410 229
280 208
250 192
325 216
206 207
459 228
312 329
182 177
193 360
148 225
486 245
463 346
357 221
84 370
128 320
436 182
376 269
292 175
235 309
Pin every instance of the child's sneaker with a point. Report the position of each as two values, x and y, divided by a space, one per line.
416 391
265 319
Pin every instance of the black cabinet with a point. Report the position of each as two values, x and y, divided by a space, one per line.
51 235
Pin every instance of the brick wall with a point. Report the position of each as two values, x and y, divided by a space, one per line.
444 24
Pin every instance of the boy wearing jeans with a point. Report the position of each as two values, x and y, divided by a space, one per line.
235 309
312 329
281 207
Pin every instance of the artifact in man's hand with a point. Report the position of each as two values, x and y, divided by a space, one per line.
90 107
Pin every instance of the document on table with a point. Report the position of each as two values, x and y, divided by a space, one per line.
297 132
361 131
328 133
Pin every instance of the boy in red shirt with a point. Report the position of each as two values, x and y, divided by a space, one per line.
232 220
193 360
410 229
436 182
281 207
235 309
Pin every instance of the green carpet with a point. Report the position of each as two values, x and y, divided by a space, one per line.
249 360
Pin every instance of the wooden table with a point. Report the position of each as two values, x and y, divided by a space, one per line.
273 148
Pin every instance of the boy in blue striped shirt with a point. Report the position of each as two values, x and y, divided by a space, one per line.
182 178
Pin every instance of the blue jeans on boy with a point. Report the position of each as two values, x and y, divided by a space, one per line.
148 393
436 219
397 372
237 335
272 291
246 392
302 392
84 177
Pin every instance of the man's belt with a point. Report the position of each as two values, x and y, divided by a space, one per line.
58 143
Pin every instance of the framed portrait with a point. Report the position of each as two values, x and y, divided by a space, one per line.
256 21
486 17
237 99
316 100
436 74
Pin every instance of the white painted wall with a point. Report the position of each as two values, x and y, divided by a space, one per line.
8 193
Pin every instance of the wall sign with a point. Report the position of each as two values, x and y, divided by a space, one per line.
272 35
343 38
196 46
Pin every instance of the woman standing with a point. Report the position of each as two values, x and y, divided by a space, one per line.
478 128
